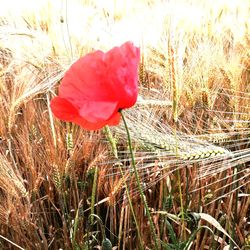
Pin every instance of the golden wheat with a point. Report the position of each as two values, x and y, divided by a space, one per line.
46 165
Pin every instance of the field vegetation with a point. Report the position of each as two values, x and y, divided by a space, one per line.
62 187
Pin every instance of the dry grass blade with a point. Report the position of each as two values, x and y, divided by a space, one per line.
216 224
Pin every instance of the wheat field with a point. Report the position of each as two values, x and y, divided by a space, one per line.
62 187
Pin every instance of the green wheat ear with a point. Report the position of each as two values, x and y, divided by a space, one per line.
203 154
56 176
69 141
186 152
153 103
150 138
218 138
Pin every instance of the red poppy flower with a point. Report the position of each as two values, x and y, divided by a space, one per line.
97 86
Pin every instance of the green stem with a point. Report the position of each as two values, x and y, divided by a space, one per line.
114 148
181 203
132 210
111 141
93 194
143 197
235 218
76 223
179 182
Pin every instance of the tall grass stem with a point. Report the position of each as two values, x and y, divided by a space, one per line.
114 149
139 183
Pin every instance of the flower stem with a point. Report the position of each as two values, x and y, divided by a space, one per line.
137 177
114 149
93 195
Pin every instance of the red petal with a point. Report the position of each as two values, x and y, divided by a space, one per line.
123 65
114 120
97 111
97 85
86 80
89 125
63 109
104 77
